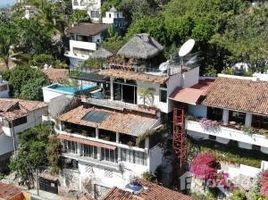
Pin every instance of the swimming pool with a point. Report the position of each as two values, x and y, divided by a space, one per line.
72 90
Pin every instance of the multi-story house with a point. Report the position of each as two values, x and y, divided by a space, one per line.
131 99
93 8
231 109
16 116
85 38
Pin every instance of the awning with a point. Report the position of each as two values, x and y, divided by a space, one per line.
187 95
85 141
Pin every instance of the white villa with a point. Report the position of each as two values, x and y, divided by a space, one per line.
99 136
16 116
93 8
85 38
231 109
130 97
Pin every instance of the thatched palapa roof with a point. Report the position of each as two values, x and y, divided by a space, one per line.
141 46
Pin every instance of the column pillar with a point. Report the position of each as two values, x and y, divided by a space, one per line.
225 117
99 153
97 133
118 154
112 88
117 137
79 149
248 120
60 126
147 143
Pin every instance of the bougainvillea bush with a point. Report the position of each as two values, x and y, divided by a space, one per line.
208 124
264 183
204 166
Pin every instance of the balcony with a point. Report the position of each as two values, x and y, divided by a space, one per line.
91 46
229 133
91 161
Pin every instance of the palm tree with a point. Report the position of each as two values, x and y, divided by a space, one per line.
5 43
147 93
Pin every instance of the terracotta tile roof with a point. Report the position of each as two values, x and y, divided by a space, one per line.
8 192
131 75
16 108
88 29
123 122
193 94
151 191
70 137
240 95
56 75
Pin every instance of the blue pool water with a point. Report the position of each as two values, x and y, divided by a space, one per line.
71 90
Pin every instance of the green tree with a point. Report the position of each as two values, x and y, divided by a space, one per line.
7 39
34 153
26 82
79 15
245 37
238 195
147 94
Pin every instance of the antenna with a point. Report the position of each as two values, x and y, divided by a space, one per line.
186 47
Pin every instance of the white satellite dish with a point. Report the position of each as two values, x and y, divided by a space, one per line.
186 47
164 66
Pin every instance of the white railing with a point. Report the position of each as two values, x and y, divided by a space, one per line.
113 104
119 145
103 163
228 133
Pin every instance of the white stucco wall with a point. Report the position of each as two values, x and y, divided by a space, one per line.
91 46
34 118
155 100
6 144
190 77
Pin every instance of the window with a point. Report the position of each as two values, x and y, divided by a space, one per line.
3 88
75 3
110 15
82 3
20 121
90 151
238 117
109 155
132 156
70 146
163 95
94 14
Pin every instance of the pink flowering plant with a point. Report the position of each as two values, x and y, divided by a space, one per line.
208 124
264 183
204 166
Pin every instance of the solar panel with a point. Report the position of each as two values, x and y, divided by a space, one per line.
96 116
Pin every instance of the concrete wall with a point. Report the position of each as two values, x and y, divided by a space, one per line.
155 157
155 100
90 46
6 144
190 77
49 94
